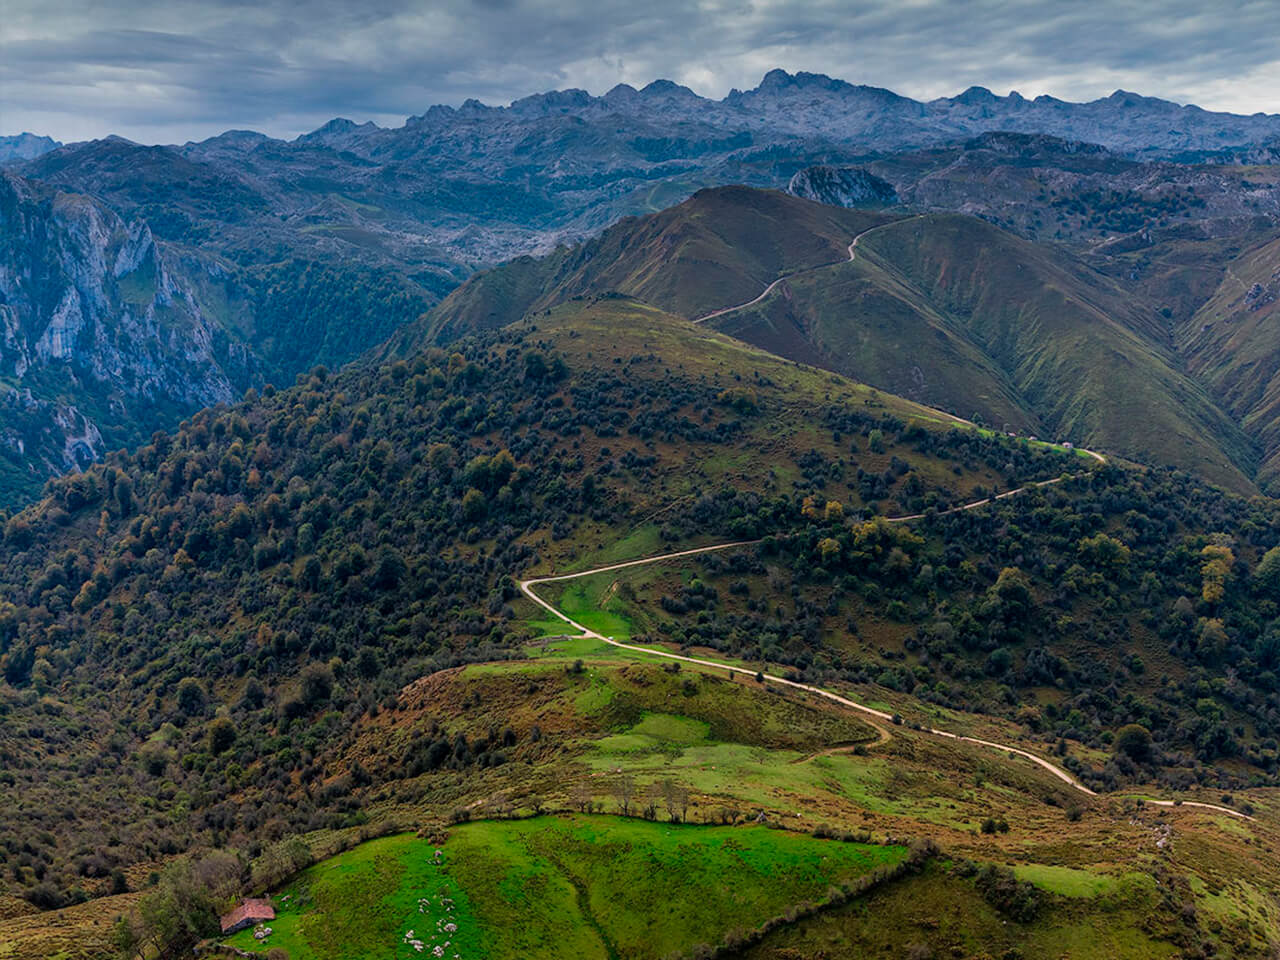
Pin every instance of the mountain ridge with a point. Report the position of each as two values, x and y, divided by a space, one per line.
973 104
414 211
943 309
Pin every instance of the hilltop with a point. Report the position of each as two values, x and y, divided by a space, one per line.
192 578
947 310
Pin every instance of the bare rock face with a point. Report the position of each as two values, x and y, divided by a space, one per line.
842 187
25 146
89 308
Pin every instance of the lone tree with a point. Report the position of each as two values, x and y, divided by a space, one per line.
676 798
1134 741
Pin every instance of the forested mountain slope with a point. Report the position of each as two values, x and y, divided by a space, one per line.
204 619
108 333
160 609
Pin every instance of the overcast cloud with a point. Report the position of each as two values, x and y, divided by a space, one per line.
177 70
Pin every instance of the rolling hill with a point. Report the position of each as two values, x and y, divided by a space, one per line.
298 616
719 248
944 309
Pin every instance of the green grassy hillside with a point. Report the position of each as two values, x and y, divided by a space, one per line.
1233 345
1093 364
721 246
591 887
864 320
945 914
726 751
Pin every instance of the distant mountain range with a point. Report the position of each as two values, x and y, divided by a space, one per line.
292 253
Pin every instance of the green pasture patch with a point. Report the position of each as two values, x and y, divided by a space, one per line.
579 886
1066 881
642 889
937 914
372 900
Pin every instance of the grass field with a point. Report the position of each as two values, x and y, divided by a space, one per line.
577 886
370 901
939 915
592 886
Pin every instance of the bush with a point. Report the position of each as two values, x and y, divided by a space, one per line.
1133 741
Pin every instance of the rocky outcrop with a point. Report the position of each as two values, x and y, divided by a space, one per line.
97 332
842 187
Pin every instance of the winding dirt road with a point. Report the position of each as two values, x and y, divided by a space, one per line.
794 273
526 587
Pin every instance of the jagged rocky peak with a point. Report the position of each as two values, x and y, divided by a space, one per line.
622 93
842 187
776 80
778 85
552 102
977 96
244 139
25 146
336 130
668 91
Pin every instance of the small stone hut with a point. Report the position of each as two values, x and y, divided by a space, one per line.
247 914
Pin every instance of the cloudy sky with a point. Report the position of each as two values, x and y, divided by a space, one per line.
173 70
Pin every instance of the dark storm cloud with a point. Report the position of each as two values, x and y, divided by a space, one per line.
180 69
